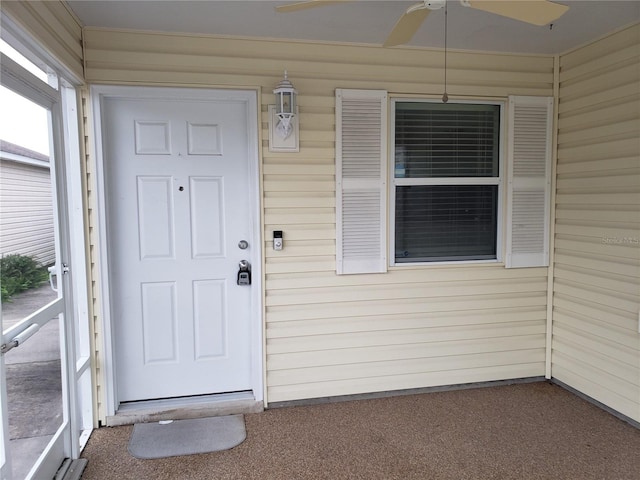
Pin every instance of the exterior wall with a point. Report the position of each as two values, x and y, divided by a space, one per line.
26 215
326 334
54 26
596 339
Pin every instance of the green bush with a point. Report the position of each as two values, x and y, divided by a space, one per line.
19 273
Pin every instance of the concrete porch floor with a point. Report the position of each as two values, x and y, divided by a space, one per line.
521 431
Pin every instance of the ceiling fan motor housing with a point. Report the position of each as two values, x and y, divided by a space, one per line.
434 4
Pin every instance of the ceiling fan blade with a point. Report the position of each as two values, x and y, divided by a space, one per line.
536 12
294 7
406 26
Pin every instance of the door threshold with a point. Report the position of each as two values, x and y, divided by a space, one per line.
184 408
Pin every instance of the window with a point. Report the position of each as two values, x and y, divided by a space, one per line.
447 181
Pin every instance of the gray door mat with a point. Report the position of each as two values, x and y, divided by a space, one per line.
186 437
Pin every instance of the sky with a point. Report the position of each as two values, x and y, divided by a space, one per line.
22 122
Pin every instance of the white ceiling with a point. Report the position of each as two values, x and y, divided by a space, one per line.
364 21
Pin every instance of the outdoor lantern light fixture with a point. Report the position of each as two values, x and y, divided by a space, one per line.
283 127
285 106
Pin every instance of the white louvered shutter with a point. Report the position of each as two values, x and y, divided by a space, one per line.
361 151
529 181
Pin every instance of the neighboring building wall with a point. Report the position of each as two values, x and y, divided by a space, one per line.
332 335
596 342
26 211
54 26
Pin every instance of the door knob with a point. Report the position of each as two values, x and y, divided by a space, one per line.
243 244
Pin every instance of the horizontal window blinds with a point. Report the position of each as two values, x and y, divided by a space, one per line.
361 149
529 181
446 140
445 222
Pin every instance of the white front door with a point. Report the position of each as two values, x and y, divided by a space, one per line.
179 221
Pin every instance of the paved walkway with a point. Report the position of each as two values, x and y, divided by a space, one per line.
33 381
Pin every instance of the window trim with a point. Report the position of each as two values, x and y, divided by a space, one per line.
499 181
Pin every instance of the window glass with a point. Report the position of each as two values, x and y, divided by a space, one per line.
446 222
44 73
447 181
446 140
23 123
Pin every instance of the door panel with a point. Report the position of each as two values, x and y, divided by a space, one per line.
177 180
159 322
210 318
155 213
207 210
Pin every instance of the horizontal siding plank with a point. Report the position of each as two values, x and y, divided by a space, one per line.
592 315
612 77
351 309
164 75
403 382
598 165
410 275
595 327
607 264
402 337
621 129
300 186
299 170
396 292
298 218
609 382
600 115
626 147
591 385
295 249
612 246
600 215
383 353
597 279
603 233
321 264
372 369
566 334
64 25
602 48
598 99
402 322
622 372
622 180
283 50
604 297
26 222
622 55
296 201
306 232
316 69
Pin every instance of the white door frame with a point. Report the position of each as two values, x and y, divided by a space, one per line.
250 96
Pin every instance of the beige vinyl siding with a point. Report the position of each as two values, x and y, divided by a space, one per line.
596 344
53 26
332 335
26 212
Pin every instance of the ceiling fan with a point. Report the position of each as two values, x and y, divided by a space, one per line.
536 12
